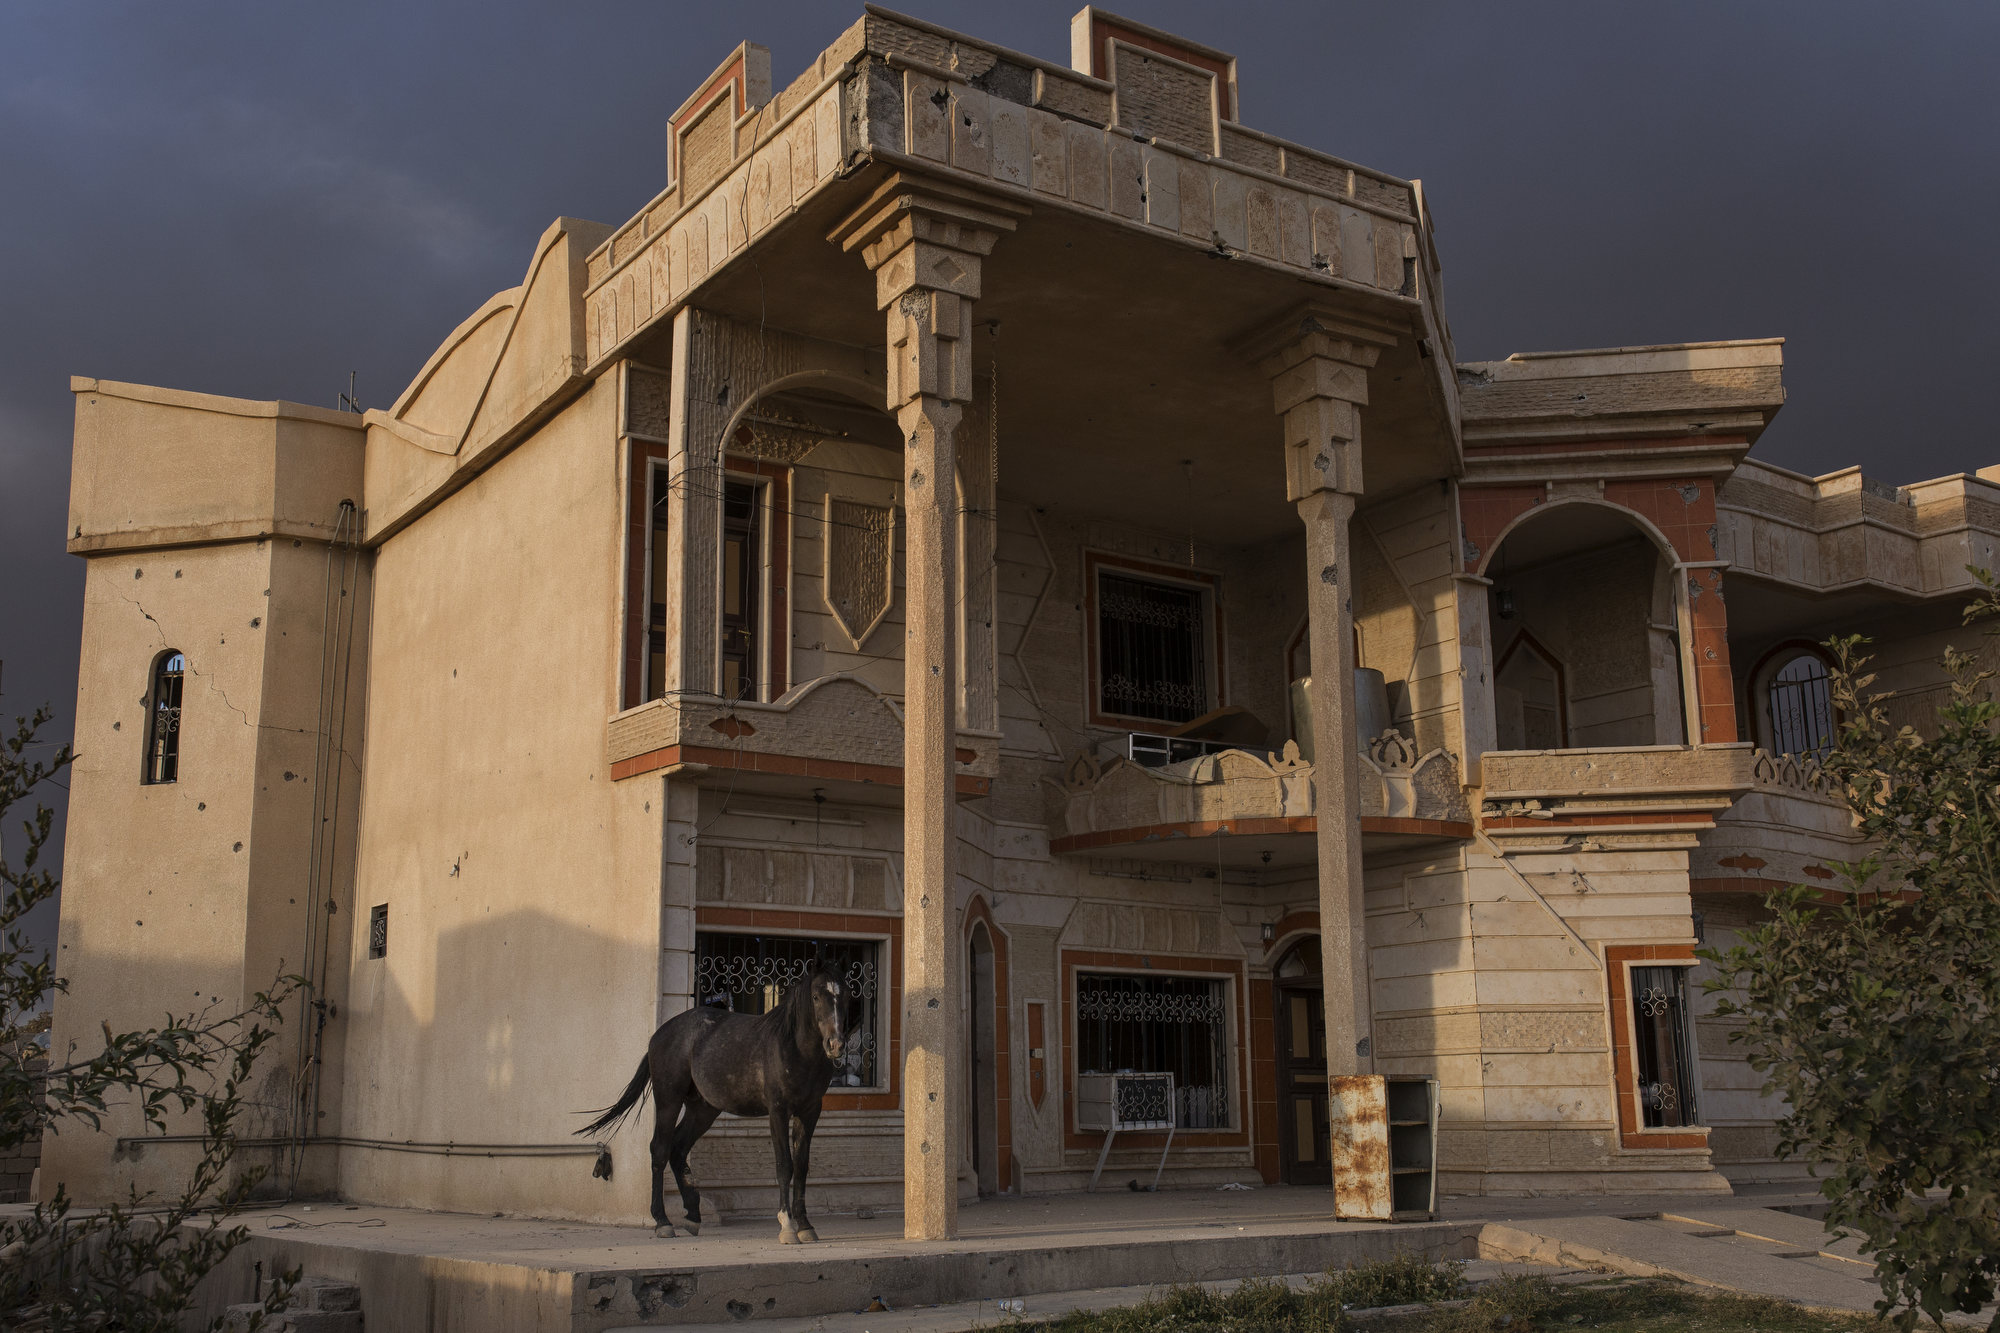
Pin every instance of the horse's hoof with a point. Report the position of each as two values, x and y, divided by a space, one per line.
788 1238
664 1232
692 1228
808 1235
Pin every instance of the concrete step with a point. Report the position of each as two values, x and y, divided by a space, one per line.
988 1314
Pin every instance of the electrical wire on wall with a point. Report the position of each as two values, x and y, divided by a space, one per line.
338 595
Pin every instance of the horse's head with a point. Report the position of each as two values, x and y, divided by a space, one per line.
833 1008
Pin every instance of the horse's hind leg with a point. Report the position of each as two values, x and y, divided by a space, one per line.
666 1110
694 1123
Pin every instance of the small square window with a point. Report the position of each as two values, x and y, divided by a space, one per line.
378 930
1160 1025
1152 649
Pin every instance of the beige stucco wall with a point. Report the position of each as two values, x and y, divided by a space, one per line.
524 888
192 895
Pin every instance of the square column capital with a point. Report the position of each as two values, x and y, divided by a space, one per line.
1318 358
926 242
922 234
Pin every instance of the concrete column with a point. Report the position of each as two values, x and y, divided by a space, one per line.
926 249
1336 781
1318 361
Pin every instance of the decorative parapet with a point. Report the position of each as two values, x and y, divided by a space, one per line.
1625 797
1236 790
1845 530
1792 827
833 728
911 94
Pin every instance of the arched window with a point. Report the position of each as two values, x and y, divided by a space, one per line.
163 715
1800 700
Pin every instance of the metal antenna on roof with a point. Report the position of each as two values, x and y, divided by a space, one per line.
347 402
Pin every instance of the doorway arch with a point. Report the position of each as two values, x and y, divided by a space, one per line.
982 1103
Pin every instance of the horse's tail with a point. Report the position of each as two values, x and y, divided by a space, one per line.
635 1092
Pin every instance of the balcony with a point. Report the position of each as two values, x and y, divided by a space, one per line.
1251 809
835 728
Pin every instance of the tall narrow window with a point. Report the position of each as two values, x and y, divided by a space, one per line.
1152 649
656 587
1801 703
1663 1033
1159 1025
163 713
742 581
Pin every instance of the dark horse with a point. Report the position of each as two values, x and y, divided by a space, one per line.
775 1064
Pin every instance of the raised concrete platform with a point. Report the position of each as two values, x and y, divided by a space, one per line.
457 1274
451 1273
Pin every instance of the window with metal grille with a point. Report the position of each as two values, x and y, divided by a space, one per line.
378 931
1663 1042
1152 649
742 586
1159 1025
1801 702
749 974
163 716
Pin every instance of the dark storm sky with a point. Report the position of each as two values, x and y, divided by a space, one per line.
254 199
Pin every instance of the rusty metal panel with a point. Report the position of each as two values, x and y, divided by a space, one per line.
1358 1122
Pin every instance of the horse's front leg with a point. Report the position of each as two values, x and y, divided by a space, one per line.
781 1148
803 1126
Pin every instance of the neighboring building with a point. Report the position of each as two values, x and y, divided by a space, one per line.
910 541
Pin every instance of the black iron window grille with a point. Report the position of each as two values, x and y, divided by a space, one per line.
1801 699
749 974
1152 649
163 712
1159 1025
378 931
1663 1032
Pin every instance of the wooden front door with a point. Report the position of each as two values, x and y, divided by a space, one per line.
1301 1034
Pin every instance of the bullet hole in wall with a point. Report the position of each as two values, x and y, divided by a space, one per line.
237 848
138 573
255 621
116 726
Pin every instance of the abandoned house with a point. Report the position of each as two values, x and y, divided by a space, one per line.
1019 533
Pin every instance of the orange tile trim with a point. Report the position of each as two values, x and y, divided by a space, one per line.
1631 1127
752 761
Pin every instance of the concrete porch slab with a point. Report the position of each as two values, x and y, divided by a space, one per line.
455 1274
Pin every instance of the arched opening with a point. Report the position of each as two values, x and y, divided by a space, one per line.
1586 633
1792 700
1300 1005
163 716
983 1105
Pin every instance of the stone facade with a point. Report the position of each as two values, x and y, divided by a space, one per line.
1021 528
